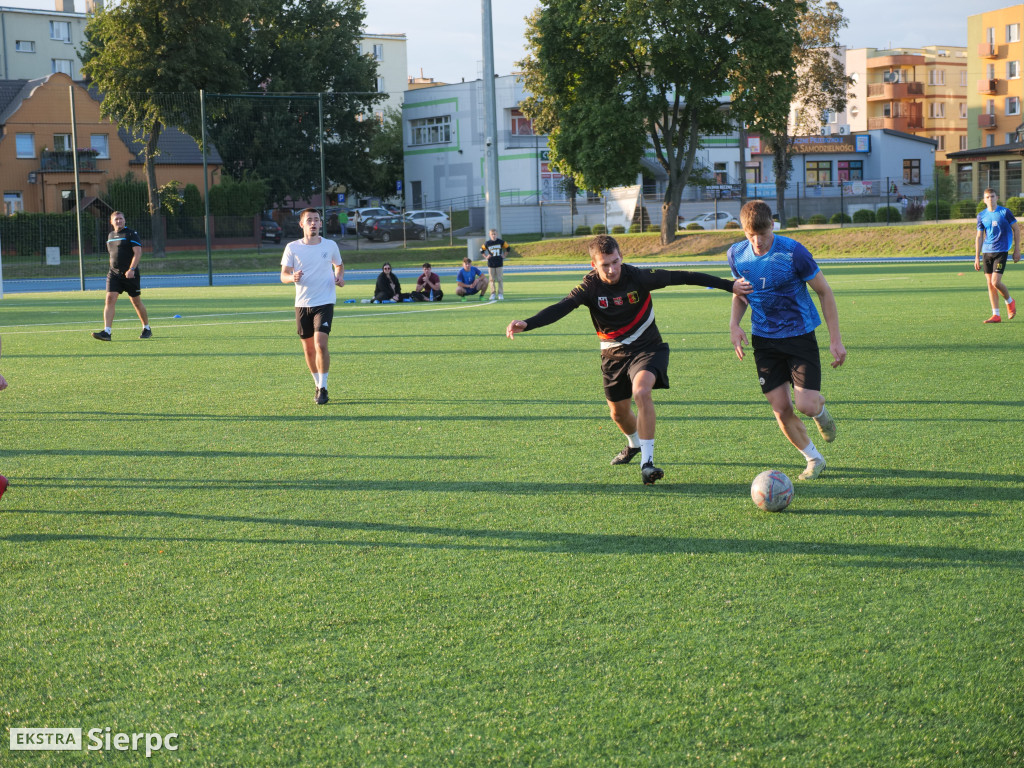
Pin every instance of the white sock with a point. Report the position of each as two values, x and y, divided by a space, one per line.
820 414
107 329
646 451
316 380
810 452
146 326
995 312
1009 300
323 379
634 440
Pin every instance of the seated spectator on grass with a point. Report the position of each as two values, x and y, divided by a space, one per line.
388 288
428 286
470 280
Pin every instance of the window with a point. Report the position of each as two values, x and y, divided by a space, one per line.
1011 138
937 109
911 171
25 46
990 35
850 170
378 52
431 130
521 124
60 65
60 30
990 72
963 78
1013 70
61 142
963 143
818 172
990 107
940 143
937 77
829 116
1013 105
25 144
380 85
990 140
963 109
101 143
1013 33
13 203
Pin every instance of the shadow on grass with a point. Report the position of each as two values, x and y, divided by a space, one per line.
441 538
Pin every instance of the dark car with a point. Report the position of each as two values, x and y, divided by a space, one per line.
270 230
387 228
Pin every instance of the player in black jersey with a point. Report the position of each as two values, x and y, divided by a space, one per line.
634 359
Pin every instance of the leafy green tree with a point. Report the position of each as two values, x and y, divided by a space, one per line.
612 78
797 101
139 50
296 56
384 162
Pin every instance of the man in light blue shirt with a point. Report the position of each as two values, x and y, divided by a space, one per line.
782 322
996 229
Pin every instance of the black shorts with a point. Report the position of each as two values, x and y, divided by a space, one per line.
994 262
310 320
795 361
619 372
118 283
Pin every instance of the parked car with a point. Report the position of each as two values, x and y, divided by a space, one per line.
710 220
364 216
387 228
435 220
270 229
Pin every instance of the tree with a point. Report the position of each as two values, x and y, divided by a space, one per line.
295 57
611 79
820 86
385 157
139 50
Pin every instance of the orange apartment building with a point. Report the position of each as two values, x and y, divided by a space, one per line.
921 91
36 150
995 53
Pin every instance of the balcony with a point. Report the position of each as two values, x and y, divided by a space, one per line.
896 60
51 161
906 123
987 86
986 121
988 50
894 91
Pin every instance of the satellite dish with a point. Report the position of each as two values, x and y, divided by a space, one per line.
890 77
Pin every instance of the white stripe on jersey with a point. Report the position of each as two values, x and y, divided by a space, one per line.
612 344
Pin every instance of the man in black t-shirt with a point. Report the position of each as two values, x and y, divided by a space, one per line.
495 249
125 248
634 359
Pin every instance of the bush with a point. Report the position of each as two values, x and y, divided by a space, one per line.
1015 204
967 209
653 228
598 229
888 213
694 225
840 218
731 225
794 221
929 211
238 198
634 227
582 229
817 219
864 216
618 229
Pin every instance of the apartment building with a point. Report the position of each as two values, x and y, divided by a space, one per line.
35 43
994 56
920 91
389 51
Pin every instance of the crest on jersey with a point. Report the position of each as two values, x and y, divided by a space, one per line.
617 300
634 297
602 302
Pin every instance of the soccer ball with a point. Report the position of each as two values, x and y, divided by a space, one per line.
772 490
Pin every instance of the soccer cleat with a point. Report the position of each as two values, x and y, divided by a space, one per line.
483 296
650 473
101 335
1011 309
321 396
625 455
3 485
814 467
501 297
492 297
146 333
827 426
993 319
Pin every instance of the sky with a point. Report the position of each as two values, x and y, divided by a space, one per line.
444 38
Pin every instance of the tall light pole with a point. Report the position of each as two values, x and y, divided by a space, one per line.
491 183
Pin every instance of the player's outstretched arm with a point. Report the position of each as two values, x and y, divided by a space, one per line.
516 326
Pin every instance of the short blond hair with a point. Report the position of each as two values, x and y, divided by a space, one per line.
756 216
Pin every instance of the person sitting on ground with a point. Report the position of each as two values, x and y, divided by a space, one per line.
428 286
470 280
388 288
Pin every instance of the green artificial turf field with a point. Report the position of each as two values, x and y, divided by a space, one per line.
440 568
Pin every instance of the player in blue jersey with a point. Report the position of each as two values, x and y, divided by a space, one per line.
782 322
996 228
634 358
